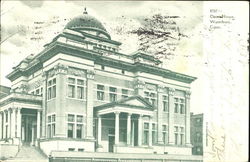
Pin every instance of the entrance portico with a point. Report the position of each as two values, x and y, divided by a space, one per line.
20 119
125 116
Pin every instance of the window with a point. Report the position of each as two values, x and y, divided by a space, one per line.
112 94
165 134
179 133
176 108
151 97
81 149
179 105
75 121
51 125
70 130
176 135
79 131
100 92
154 137
71 149
71 118
145 133
165 103
52 88
124 93
75 88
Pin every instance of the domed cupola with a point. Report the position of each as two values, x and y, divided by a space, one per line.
87 23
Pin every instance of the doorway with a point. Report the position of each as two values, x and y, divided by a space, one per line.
28 128
111 143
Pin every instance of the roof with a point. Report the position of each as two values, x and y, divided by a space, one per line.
136 102
86 22
4 91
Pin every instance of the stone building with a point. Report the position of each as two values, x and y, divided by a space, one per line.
81 94
197 130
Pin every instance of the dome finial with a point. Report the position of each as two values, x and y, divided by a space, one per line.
85 11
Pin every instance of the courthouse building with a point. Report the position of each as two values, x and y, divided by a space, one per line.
81 94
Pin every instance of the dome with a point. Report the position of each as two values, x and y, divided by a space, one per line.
86 22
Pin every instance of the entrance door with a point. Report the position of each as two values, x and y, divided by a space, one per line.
28 128
111 143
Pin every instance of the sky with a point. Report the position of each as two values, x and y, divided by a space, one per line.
217 57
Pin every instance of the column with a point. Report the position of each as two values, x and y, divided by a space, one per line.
13 123
117 128
133 134
44 105
171 116
38 124
60 72
129 129
1 125
90 86
99 136
19 123
139 86
140 130
187 124
9 122
32 135
150 132
159 113
4 127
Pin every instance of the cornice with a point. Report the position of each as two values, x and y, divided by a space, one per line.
58 47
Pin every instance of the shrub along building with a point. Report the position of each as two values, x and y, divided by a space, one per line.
81 94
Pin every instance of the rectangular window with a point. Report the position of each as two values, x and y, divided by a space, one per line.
71 118
71 80
75 88
79 131
49 131
176 108
179 105
80 89
124 93
165 103
146 133
164 134
51 125
70 130
53 130
112 94
176 138
79 92
154 137
79 118
75 126
100 92
52 88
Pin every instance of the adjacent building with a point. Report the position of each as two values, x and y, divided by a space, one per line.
81 94
197 130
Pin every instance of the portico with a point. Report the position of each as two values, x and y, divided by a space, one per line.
20 119
127 118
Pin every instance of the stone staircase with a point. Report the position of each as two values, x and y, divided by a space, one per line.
29 154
